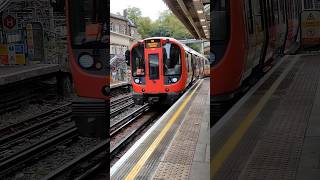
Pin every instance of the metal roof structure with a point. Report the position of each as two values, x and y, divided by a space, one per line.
194 14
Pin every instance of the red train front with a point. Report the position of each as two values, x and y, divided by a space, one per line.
87 48
162 68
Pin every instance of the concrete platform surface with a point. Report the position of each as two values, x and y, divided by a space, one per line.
12 74
273 131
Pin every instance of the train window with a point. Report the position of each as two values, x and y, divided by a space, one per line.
220 29
89 23
308 4
187 61
153 66
171 59
250 16
282 11
138 61
276 11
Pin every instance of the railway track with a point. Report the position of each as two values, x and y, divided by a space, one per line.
115 102
95 162
128 121
26 156
84 165
23 141
121 107
12 98
32 121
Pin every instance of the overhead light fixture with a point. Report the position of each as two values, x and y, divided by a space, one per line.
205 29
204 26
199 11
202 20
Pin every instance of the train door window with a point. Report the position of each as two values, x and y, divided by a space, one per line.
171 59
283 11
275 11
153 66
138 61
250 16
272 18
221 29
187 62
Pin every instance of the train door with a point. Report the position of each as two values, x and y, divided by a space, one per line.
154 79
260 31
189 67
282 25
254 34
271 31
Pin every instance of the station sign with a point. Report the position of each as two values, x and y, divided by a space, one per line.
9 22
310 25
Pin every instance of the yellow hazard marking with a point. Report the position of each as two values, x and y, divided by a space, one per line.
135 170
224 152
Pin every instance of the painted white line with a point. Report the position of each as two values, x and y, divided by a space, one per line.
130 152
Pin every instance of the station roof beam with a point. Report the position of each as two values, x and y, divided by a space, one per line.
194 14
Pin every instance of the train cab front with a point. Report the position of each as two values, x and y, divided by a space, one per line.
156 67
87 48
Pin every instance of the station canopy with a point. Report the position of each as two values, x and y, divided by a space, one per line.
194 14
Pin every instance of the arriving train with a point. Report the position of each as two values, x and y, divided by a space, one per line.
162 68
248 35
87 48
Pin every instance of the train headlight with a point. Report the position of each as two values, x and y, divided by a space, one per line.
98 65
86 61
174 80
137 80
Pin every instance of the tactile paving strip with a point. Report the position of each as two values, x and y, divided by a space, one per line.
172 171
177 161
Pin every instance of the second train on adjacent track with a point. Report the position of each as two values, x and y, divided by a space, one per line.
248 35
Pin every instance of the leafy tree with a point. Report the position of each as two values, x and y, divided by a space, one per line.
134 14
144 26
166 25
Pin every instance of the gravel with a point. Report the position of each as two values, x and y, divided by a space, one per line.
123 114
22 144
61 156
26 111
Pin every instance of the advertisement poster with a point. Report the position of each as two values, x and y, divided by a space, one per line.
310 25
4 54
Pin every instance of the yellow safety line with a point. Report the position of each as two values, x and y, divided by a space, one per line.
234 139
135 170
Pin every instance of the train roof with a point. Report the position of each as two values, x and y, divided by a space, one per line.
187 48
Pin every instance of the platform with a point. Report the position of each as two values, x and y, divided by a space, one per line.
176 146
12 74
273 132
119 84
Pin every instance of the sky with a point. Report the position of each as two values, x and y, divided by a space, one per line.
149 8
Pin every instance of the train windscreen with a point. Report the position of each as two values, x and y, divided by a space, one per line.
171 59
88 26
138 61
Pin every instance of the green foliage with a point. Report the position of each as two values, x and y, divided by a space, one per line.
134 14
166 25
196 47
